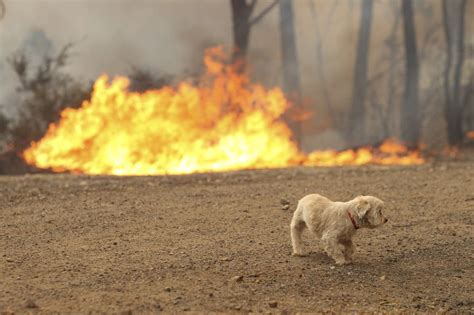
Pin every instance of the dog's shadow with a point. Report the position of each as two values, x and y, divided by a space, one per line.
321 258
358 265
317 256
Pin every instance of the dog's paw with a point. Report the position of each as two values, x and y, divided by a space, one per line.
343 262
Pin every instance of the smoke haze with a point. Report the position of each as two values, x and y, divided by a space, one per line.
169 37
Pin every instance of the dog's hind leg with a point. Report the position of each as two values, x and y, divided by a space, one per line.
297 226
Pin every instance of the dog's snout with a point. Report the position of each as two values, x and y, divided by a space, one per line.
386 220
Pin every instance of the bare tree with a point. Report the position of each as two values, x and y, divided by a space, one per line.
453 18
410 120
355 132
242 22
320 62
241 12
291 78
393 51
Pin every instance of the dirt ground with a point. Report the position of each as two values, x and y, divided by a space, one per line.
220 243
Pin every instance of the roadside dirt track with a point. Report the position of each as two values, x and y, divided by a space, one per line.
220 242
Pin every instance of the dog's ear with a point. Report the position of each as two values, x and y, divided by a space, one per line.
362 206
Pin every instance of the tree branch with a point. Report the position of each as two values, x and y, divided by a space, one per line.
2 9
252 5
257 18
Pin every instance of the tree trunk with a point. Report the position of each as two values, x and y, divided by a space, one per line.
393 50
453 18
410 120
320 67
291 79
241 12
355 132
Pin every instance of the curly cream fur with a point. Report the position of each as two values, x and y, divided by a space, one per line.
330 221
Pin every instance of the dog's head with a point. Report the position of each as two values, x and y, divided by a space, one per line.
369 211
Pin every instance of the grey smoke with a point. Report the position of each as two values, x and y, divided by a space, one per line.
169 36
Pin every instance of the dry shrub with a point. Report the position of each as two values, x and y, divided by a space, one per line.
44 93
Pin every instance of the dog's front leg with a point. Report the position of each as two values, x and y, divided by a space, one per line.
334 249
349 249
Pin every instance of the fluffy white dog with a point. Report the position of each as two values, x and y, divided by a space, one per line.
335 223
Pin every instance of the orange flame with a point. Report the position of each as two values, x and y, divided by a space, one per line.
470 134
223 123
389 153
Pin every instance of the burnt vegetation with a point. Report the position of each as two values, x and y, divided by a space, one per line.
44 91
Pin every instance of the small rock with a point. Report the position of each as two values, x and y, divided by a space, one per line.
237 278
225 258
273 304
382 278
30 304
283 202
332 267
168 289
285 207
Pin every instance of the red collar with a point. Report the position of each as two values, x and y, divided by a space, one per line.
352 220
